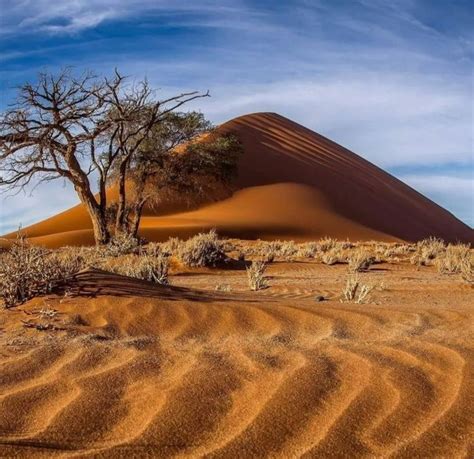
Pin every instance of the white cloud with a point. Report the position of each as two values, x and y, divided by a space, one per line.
26 208
388 120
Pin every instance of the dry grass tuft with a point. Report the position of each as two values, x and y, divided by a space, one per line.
120 244
331 257
308 250
456 259
427 250
355 291
256 275
205 249
144 267
27 271
327 243
360 261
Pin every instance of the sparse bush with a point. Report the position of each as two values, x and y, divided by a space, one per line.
355 291
426 251
223 288
327 243
431 247
145 267
308 250
360 261
456 259
269 251
331 257
467 269
256 275
350 289
27 271
172 246
288 250
120 244
153 249
205 249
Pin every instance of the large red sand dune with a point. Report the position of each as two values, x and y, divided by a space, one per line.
292 184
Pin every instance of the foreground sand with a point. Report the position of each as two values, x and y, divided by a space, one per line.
147 371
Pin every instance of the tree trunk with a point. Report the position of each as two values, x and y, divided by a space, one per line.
136 218
99 222
122 199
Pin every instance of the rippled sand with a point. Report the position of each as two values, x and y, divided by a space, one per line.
143 371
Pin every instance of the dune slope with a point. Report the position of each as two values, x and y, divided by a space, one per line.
295 184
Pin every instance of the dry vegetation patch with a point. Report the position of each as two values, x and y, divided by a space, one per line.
205 249
27 271
256 275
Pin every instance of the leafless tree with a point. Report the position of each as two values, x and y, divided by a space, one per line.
77 127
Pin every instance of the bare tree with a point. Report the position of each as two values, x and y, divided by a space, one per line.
71 128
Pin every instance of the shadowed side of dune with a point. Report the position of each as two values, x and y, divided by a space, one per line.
280 150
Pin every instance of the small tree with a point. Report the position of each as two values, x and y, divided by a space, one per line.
184 155
71 128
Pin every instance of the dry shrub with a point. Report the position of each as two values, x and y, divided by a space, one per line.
172 246
269 251
327 243
27 271
308 250
288 250
427 250
467 269
256 275
145 267
331 257
120 244
355 291
393 253
455 260
153 249
360 260
205 249
285 250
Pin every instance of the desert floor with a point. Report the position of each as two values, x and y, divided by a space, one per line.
132 369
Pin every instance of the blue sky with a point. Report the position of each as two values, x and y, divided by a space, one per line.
391 80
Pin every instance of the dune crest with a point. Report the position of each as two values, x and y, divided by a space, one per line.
294 184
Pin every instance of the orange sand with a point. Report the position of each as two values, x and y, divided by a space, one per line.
185 371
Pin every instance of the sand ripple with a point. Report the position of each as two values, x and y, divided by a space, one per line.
256 377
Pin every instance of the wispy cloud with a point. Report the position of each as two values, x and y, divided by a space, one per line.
72 16
390 80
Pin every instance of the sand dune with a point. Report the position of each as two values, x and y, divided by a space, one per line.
293 184
151 371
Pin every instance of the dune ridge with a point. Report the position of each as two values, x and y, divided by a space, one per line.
292 184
